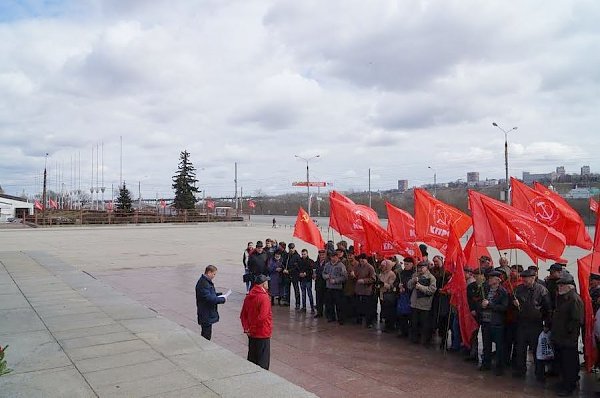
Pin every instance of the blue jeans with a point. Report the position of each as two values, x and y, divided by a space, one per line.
455 328
306 287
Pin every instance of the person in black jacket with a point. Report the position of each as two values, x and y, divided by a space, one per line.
291 275
492 311
320 284
207 300
305 273
403 313
258 263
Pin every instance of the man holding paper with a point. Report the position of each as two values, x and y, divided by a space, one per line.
207 300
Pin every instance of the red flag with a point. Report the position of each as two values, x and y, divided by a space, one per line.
596 248
514 229
457 287
549 208
38 205
251 204
593 205
210 204
53 203
347 218
474 252
434 218
306 230
584 268
333 223
377 239
163 203
402 227
109 206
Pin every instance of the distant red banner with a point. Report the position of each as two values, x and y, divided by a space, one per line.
310 184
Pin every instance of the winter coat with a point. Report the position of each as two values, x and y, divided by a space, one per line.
306 266
275 282
320 283
206 301
335 275
534 304
258 263
293 265
567 319
366 273
256 315
421 297
495 313
441 300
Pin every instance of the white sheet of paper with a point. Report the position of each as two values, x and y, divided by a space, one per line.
226 294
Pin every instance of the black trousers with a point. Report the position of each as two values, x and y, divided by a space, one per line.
350 307
320 292
510 344
420 326
404 324
367 308
334 305
259 351
206 330
527 337
296 285
492 334
568 362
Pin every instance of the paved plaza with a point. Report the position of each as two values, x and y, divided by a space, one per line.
110 311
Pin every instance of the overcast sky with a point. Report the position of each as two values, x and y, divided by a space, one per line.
395 86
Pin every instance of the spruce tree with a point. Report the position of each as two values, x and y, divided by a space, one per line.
124 199
184 183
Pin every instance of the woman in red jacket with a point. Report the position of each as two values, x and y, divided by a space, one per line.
257 321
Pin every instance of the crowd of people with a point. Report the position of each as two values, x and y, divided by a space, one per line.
516 310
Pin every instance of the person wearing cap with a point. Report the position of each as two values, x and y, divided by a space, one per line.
366 304
474 296
335 275
485 264
503 265
350 286
423 286
207 300
404 294
535 269
258 262
257 321
388 295
492 311
440 306
555 271
305 273
533 315
510 327
291 276
595 291
320 284
567 320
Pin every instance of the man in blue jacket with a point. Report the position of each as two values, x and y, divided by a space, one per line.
206 301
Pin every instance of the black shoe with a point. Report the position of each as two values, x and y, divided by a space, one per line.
331 320
318 316
499 372
370 326
471 359
564 393
518 375
341 322
484 368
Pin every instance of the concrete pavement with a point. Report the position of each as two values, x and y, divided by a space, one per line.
70 335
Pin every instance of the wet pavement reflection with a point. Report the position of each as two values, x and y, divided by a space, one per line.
327 359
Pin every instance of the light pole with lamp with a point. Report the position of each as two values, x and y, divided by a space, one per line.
307 178
434 181
507 198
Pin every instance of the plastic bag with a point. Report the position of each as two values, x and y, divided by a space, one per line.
545 351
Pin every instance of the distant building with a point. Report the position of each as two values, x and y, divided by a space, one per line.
585 171
529 178
472 178
560 171
13 207
402 185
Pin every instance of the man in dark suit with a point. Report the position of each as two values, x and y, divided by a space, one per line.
207 300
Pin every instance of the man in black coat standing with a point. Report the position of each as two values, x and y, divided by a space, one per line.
207 300
257 264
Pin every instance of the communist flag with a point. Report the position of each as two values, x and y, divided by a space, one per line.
514 229
53 203
434 218
473 252
333 223
585 266
347 218
38 205
457 286
306 230
401 225
549 208
377 239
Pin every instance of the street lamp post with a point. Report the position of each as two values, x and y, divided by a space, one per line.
307 178
505 157
434 181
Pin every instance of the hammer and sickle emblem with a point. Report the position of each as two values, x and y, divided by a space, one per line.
545 211
305 218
